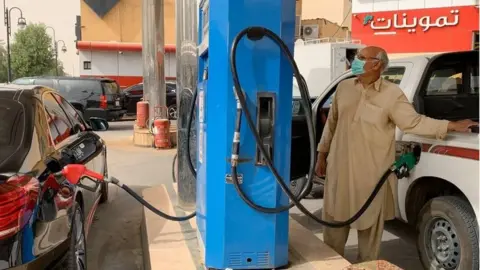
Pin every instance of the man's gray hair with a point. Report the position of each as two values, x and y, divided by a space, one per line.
383 57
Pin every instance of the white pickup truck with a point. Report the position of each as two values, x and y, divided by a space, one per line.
441 195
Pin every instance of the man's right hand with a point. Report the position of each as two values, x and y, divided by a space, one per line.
321 166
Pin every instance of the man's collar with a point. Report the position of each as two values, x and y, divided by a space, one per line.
376 85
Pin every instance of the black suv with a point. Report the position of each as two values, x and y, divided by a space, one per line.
92 97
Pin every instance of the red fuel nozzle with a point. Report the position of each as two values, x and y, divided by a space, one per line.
74 172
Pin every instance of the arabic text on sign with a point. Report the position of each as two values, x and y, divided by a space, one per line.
425 22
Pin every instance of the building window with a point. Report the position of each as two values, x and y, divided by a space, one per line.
475 45
87 65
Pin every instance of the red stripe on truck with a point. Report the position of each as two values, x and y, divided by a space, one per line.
451 151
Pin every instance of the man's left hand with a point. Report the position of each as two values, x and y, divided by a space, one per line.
462 125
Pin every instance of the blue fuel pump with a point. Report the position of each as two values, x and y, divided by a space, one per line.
238 236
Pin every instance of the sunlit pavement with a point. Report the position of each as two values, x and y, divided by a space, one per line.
114 240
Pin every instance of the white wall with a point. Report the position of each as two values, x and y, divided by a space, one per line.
360 6
59 14
332 10
125 64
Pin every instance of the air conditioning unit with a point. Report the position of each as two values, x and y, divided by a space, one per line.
298 26
310 31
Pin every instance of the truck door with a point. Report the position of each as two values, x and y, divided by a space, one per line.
300 159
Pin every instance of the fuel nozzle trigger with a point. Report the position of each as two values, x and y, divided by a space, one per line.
408 156
79 175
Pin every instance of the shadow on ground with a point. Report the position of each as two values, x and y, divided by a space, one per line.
115 242
120 127
402 256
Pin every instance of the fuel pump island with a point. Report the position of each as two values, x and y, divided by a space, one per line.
243 122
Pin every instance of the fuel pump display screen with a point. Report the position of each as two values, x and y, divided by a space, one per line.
205 18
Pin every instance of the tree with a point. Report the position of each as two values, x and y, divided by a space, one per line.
3 64
61 70
32 52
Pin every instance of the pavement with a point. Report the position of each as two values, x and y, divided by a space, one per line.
114 242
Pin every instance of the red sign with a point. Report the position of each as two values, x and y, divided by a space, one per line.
418 30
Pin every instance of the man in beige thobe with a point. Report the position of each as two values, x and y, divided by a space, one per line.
358 146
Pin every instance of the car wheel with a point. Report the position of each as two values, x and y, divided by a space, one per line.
172 112
76 258
448 234
104 187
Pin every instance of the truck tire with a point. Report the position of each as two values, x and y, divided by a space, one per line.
448 234
297 184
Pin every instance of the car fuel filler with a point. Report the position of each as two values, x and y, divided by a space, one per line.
243 167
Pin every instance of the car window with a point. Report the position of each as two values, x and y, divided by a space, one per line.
12 128
445 81
78 88
110 87
44 82
474 83
394 74
41 128
72 113
135 89
59 123
23 81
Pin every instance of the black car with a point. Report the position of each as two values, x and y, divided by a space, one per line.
93 97
134 94
44 220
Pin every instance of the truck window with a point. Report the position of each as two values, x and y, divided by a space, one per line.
77 89
394 74
111 87
44 82
474 80
23 81
445 81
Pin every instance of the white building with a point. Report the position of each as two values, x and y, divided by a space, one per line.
119 61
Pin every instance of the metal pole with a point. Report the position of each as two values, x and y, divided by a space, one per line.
9 61
186 26
153 57
54 48
56 59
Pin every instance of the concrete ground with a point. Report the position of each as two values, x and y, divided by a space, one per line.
114 240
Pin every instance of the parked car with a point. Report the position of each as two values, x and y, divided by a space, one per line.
440 197
93 97
134 94
44 221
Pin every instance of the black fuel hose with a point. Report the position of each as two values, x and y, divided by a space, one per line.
174 177
137 197
256 33
189 129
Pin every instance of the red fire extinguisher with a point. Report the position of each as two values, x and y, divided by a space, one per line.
162 133
142 114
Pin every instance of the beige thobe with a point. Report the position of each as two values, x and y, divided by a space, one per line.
359 137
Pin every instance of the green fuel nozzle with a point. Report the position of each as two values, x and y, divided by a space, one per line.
407 156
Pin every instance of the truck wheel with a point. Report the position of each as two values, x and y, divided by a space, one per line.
448 234
297 184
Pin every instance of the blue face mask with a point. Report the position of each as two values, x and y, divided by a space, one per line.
358 66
